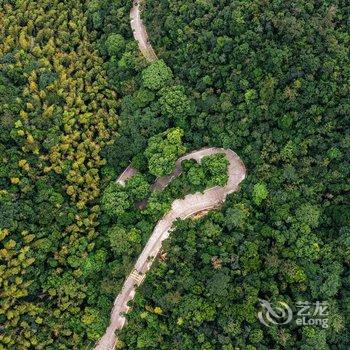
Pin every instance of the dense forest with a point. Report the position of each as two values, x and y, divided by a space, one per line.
271 81
78 103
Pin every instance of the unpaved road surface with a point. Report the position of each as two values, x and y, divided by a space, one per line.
140 32
180 209
127 174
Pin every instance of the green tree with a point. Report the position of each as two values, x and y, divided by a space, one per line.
163 150
215 169
115 45
260 193
123 241
157 75
237 216
137 187
196 175
308 214
115 200
175 104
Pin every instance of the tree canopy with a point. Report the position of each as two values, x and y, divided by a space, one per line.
79 103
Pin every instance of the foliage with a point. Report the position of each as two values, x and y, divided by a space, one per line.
260 193
115 201
78 103
156 75
163 150
115 44
215 168
175 104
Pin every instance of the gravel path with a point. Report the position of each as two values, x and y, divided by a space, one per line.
180 209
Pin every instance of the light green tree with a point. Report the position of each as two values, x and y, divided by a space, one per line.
163 150
260 193
157 75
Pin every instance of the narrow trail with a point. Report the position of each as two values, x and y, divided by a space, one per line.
180 208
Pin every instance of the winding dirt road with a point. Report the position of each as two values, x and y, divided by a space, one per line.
180 209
